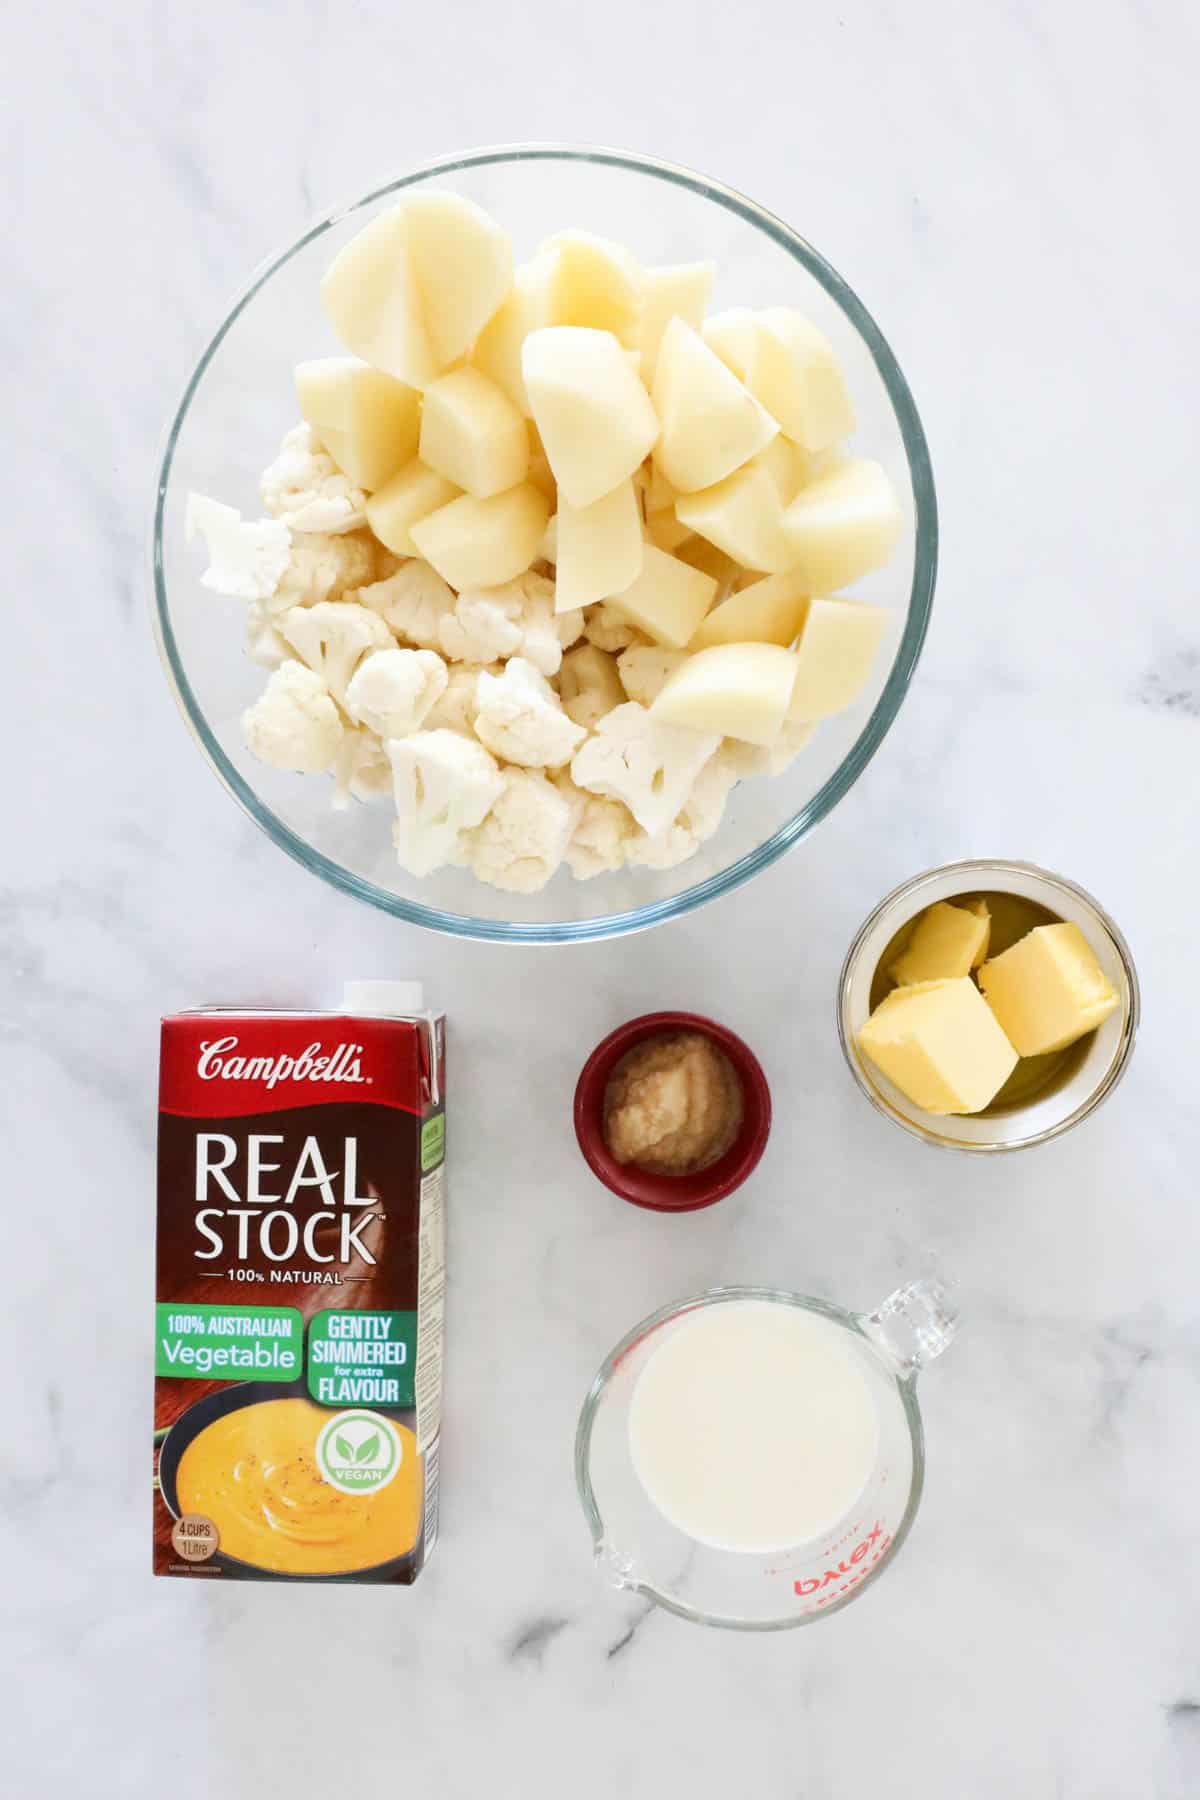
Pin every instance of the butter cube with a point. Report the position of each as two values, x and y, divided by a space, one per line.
1048 990
741 516
711 425
681 291
593 414
484 543
947 941
598 548
366 420
410 495
834 656
738 690
668 599
770 611
842 525
473 434
939 1042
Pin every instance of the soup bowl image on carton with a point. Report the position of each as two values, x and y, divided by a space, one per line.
1046 1094
754 1459
299 1293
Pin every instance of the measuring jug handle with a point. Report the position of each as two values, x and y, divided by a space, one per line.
914 1324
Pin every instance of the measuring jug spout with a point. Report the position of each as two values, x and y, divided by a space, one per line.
915 1324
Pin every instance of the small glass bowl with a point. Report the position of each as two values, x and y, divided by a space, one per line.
1091 1079
672 1193
240 401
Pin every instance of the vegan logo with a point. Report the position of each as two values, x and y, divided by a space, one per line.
219 1061
359 1452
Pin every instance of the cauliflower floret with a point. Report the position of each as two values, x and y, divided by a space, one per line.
521 721
771 759
294 723
305 488
246 557
589 684
648 765
610 630
704 808
661 850
525 836
485 625
413 602
597 845
456 709
263 643
361 770
324 568
444 785
393 691
333 637
547 633
644 670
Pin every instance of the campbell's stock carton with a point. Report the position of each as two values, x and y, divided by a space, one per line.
300 1291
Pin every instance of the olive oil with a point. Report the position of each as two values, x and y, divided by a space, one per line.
1013 916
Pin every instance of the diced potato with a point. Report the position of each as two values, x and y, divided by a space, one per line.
710 423
680 290
730 335
666 532
540 473
787 465
370 297
595 283
740 515
770 611
798 379
834 655
473 434
548 548
528 308
790 367
462 263
698 553
593 414
660 496
366 420
411 495
598 548
739 690
589 685
668 599
484 543
842 525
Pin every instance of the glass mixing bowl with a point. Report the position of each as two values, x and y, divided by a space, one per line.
240 401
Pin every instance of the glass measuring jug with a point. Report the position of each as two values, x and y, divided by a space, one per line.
639 1549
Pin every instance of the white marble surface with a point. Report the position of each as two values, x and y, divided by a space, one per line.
1009 188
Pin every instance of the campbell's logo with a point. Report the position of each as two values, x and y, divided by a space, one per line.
220 1061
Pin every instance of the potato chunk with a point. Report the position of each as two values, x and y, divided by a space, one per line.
483 543
598 548
473 434
738 690
408 497
740 515
769 611
371 299
366 420
834 656
680 290
842 525
595 283
593 414
710 423
463 265
528 307
668 599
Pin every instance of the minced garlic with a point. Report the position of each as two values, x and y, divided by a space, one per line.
673 1105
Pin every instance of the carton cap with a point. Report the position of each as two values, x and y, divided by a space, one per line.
385 999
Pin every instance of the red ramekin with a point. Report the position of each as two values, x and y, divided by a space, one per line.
672 1193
